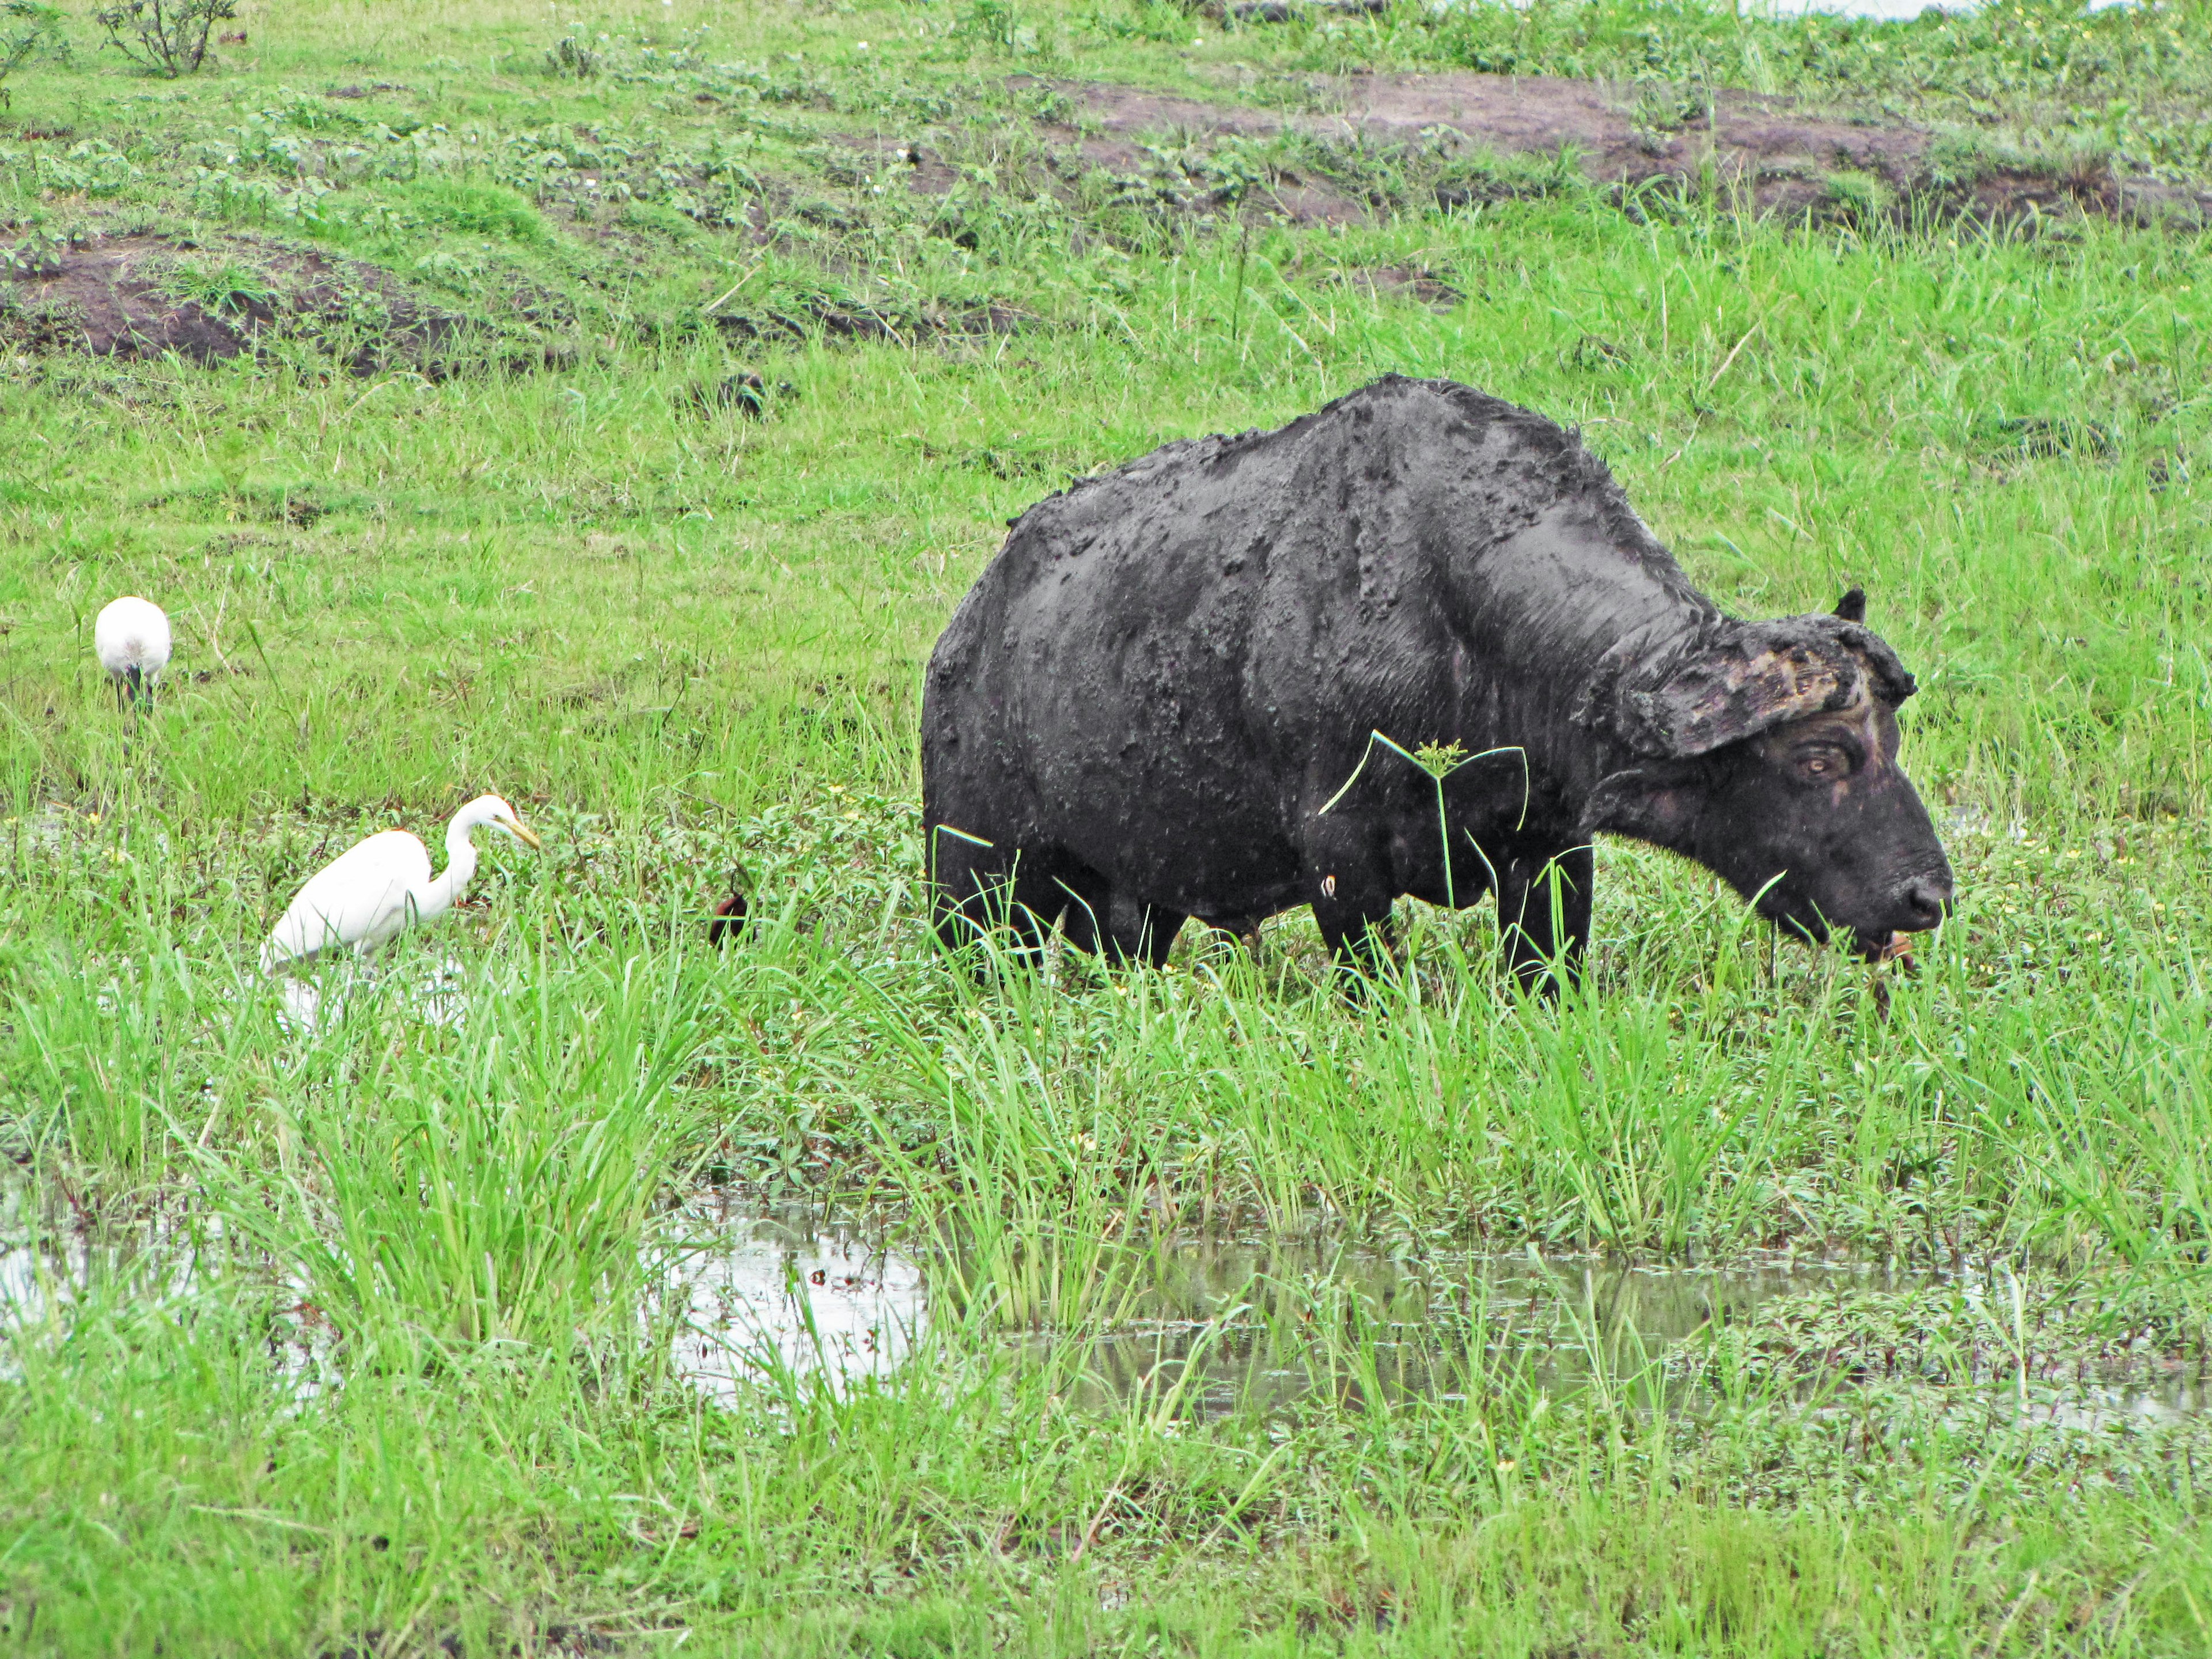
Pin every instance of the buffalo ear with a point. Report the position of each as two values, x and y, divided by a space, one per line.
1852 607
1653 804
1736 690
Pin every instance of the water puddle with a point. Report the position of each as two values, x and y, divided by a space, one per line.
1198 1326
1263 1324
1205 1327
1871 11
52 1258
1886 11
792 1294
434 991
1228 1323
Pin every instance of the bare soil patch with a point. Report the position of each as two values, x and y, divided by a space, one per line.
1788 160
900 326
1409 282
144 295
926 172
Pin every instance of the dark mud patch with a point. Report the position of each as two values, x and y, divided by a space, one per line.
1168 167
139 296
835 320
1787 159
924 170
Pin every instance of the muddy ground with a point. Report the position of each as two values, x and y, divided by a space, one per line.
143 295
1380 143
1787 159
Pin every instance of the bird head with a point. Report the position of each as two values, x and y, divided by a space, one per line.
495 813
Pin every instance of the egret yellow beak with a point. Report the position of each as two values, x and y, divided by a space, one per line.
521 832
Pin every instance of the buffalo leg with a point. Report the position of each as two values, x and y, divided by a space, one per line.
1138 932
980 890
1351 899
1543 915
1112 925
1089 900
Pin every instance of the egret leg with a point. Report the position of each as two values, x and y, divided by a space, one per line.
303 1003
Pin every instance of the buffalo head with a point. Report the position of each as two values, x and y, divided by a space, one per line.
1767 752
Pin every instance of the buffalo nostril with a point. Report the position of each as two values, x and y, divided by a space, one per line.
1928 900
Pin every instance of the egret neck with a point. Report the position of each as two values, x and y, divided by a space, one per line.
436 897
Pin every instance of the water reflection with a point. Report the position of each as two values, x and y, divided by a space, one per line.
1202 1326
1209 1326
1223 1324
2099 1409
1879 11
53 1256
33 1260
1349 1323
1872 11
786 1294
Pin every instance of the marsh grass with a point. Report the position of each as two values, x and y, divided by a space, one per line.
497 1189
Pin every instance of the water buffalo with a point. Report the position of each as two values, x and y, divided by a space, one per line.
1223 681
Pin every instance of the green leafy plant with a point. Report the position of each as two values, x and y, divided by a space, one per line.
38 254
167 38
996 25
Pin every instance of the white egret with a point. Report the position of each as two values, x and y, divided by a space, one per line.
131 638
364 899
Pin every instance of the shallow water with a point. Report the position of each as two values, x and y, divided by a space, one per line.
1228 1322
51 1258
792 1295
1883 11
1346 1322
1210 1325
1201 1327
433 990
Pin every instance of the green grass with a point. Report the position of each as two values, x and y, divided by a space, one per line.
413 1390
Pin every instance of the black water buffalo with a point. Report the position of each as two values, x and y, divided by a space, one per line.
1221 682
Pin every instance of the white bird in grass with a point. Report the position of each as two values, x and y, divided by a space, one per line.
365 897
131 638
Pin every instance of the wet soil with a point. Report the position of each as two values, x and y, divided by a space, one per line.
1784 156
119 297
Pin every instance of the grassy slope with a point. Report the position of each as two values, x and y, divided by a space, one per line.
681 639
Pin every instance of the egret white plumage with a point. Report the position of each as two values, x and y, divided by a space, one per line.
131 636
365 897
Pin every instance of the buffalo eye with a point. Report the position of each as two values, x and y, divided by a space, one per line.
1824 763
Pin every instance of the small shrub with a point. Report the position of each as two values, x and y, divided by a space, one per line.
996 25
570 58
1858 197
25 26
171 36
38 254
